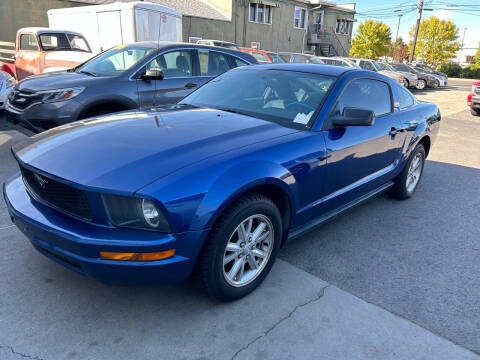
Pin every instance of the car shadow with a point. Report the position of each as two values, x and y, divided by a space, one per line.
417 258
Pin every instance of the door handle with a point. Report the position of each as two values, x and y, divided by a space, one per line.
190 85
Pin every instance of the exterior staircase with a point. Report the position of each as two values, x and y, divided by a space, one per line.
326 41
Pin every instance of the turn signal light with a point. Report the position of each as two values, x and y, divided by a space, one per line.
159 255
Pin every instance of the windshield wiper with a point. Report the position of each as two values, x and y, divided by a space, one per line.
88 73
232 111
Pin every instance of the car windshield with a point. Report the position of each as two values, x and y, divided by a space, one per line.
377 65
115 61
61 41
276 58
385 66
425 70
287 97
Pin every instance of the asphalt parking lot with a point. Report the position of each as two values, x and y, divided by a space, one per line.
387 280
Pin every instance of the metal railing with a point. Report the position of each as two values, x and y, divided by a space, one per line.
326 35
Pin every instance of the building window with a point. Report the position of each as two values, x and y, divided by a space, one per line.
260 13
342 26
299 18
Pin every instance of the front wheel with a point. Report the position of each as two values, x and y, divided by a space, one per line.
421 84
436 84
241 248
474 112
407 181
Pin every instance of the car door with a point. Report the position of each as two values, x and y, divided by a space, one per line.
27 58
360 158
178 81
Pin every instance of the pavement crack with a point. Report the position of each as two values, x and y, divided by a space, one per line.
289 315
12 350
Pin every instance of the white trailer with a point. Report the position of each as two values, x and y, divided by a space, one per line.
105 26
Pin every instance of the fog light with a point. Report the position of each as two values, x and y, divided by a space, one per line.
159 255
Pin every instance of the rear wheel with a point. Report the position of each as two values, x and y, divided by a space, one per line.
407 181
475 112
421 84
241 248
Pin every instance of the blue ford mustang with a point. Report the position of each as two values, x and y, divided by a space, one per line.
216 184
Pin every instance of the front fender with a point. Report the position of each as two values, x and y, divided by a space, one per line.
236 181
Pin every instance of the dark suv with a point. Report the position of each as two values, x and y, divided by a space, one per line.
424 80
125 77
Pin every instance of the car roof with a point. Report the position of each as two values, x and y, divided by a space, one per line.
42 30
329 70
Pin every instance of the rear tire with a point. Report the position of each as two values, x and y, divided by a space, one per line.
474 112
407 181
229 247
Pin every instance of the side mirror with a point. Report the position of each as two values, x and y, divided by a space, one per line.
354 117
152 75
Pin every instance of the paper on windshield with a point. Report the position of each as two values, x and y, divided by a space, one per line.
302 118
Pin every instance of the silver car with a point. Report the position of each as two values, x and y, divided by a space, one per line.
7 82
369 64
409 80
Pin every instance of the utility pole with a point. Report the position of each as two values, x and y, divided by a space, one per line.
396 37
463 39
419 17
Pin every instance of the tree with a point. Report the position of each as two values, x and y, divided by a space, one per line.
436 42
400 50
372 40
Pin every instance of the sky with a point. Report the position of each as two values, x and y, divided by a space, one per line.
384 10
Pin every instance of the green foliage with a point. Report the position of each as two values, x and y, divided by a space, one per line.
454 70
477 55
436 42
372 40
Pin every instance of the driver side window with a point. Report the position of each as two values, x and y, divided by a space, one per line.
174 64
365 94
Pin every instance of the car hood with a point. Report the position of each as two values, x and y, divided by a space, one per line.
54 80
126 151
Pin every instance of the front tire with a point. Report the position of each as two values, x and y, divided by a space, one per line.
241 249
474 112
421 84
407 181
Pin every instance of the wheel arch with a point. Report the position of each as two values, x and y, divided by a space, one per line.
426 142
110 103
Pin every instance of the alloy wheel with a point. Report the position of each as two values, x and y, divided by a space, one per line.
421 85
414 172
248 250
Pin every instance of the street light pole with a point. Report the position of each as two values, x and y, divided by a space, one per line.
419 17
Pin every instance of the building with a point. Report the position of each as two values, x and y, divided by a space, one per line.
314 26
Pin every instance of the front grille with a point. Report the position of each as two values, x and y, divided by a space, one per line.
23 99
57 194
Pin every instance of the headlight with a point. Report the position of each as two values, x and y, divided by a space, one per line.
473 88
135 213
60 94
10 82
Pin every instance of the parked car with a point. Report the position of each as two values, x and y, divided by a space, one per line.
440 80
424 80
275 57
7 82
299 58
40 50
219 182
338 61
429 69
372 65
409 79
109 25
473 99
125 77
262 56
220 43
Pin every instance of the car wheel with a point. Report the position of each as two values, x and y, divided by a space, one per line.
475 112
407 181
436 84
241 249
421 84
406 83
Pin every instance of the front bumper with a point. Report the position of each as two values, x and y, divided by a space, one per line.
43 116
76 244
475 102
